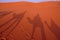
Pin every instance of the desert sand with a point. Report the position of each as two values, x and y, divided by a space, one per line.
15 25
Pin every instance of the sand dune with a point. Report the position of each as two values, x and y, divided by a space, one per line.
12 13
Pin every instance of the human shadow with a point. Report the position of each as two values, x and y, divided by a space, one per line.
16 20
4 13
37 22
54 28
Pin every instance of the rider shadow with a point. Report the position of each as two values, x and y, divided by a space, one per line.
4 13
37 22
54 28
17 19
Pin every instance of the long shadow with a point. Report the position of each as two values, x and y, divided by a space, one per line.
14 16
37 22
18 18
4 13
54 28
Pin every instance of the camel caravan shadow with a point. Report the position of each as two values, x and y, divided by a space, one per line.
36 22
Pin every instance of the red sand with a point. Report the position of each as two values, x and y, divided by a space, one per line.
46 10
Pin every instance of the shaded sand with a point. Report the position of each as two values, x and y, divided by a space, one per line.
23 31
